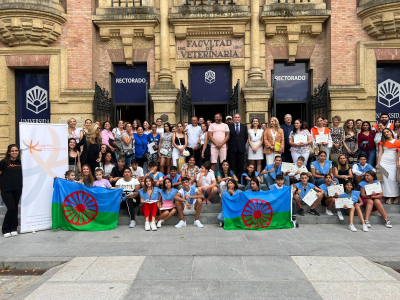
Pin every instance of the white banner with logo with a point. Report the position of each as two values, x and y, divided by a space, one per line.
44 155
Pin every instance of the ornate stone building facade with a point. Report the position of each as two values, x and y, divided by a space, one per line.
176 58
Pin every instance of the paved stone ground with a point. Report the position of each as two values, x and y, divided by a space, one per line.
312 262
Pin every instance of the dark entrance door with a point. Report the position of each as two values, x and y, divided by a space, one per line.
210 89
208 112
291 91
130 92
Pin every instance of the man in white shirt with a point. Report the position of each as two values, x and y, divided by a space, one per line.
186 203
137 172
194 132
206 182
160 129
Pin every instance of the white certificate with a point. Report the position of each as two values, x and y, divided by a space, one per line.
300 138
373 187
150 147
335 189
303 169
288 167
310 197
321 138
341 202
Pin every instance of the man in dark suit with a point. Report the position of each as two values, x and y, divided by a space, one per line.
287 129
237 145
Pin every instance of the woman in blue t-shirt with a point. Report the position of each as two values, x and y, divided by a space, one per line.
246 177
372 202
224 175
321 167
140 146
232 189
355 197
150 197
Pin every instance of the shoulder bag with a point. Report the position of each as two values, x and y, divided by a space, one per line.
128 153
185 152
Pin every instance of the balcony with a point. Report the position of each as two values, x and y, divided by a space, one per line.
381 18
126 10
31 22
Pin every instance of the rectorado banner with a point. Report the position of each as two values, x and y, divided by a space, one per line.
44 155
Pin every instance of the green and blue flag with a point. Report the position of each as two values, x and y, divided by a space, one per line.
264 210
79 207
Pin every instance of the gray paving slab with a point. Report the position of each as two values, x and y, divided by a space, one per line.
43 263
74 269
174 290
319 248
120 268
276 235
330 269
47 249
358 290
183 247
268 290
166 268
219 268
250 248
367 269
80 290
272 268
368 248
217 235
117 249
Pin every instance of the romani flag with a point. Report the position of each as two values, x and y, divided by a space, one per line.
264 210
79 207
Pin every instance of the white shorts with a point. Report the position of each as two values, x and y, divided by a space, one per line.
190 211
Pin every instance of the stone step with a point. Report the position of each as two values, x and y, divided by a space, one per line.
375 219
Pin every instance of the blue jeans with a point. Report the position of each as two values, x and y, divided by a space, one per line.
370 157
268 180
221 217
320 181
128 160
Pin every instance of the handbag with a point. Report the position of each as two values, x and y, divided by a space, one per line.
164 151
128 153
185 152
180 162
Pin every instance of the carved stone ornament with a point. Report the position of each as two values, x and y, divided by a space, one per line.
381 21
39 25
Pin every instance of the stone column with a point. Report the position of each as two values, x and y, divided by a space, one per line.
164 94
256 93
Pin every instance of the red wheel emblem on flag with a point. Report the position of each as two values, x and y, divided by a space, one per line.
257 214
80 208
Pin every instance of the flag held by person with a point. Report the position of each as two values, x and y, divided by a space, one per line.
263 210
78 207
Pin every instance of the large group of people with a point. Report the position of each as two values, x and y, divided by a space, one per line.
176 169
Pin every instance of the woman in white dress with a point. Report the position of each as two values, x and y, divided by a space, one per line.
256 142
387 158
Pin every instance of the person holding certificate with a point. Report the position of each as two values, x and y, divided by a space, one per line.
321 136
389 160
303 189
331 192
371 195
167 209
274 141
355 198
300 140
150 197
300 168
321 167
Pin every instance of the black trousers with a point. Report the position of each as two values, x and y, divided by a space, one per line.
92 164
11 200
237 160
196 154
207 156
130 205
141 160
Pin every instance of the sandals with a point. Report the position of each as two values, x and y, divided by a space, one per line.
396 201
389 201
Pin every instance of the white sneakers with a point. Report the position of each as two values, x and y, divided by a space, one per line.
159 223
150 225
180 224
328 212
352 228
147 226
198 224
7 235
153 226
132 224
340 215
